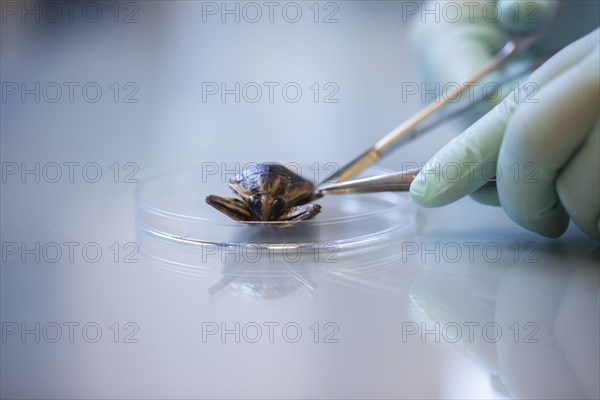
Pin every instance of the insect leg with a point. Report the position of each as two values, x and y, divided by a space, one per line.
301 213
230 206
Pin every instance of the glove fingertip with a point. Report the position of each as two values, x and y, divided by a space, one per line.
417 193
420 192
428 194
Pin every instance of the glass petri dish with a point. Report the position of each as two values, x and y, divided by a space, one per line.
172 207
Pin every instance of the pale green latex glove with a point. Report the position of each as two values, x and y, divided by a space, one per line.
546 145
449 49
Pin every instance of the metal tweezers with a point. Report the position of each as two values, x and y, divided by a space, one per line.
400 181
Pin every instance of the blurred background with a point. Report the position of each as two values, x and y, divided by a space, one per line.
97 96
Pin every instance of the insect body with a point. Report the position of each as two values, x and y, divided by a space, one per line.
268 192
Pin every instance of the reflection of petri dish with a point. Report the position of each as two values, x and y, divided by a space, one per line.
172 207
248 260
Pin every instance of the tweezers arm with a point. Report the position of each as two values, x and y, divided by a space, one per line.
405 128
405 132
396 182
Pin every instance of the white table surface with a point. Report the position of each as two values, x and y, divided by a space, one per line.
534 289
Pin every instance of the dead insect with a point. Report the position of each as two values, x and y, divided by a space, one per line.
269 192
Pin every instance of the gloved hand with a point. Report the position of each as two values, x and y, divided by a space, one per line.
545 143
450 45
